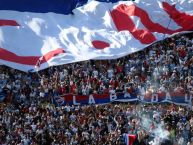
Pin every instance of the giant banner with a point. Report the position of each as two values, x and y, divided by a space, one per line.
172 97
36 34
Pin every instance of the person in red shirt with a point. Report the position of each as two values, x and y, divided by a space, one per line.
73 88
181 52
62 89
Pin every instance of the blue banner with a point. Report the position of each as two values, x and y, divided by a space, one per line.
172 97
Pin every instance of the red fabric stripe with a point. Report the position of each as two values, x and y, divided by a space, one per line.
8 23
100 44
121 17
101 96
80 98
133 10
182 19
123 22
28 60
69 97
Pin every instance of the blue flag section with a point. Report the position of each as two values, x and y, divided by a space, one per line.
45 6
42 6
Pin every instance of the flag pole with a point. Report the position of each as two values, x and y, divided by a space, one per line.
38 64
169 22
167 28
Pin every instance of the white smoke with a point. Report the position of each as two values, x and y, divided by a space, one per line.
158 132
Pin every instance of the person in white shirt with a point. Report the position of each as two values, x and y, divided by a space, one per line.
95 73
111 91
110 73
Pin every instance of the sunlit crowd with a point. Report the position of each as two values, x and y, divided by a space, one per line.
28 116
95 125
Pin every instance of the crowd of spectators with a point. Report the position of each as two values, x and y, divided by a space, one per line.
95 125
164 66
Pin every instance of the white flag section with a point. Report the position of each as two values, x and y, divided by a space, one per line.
96 31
